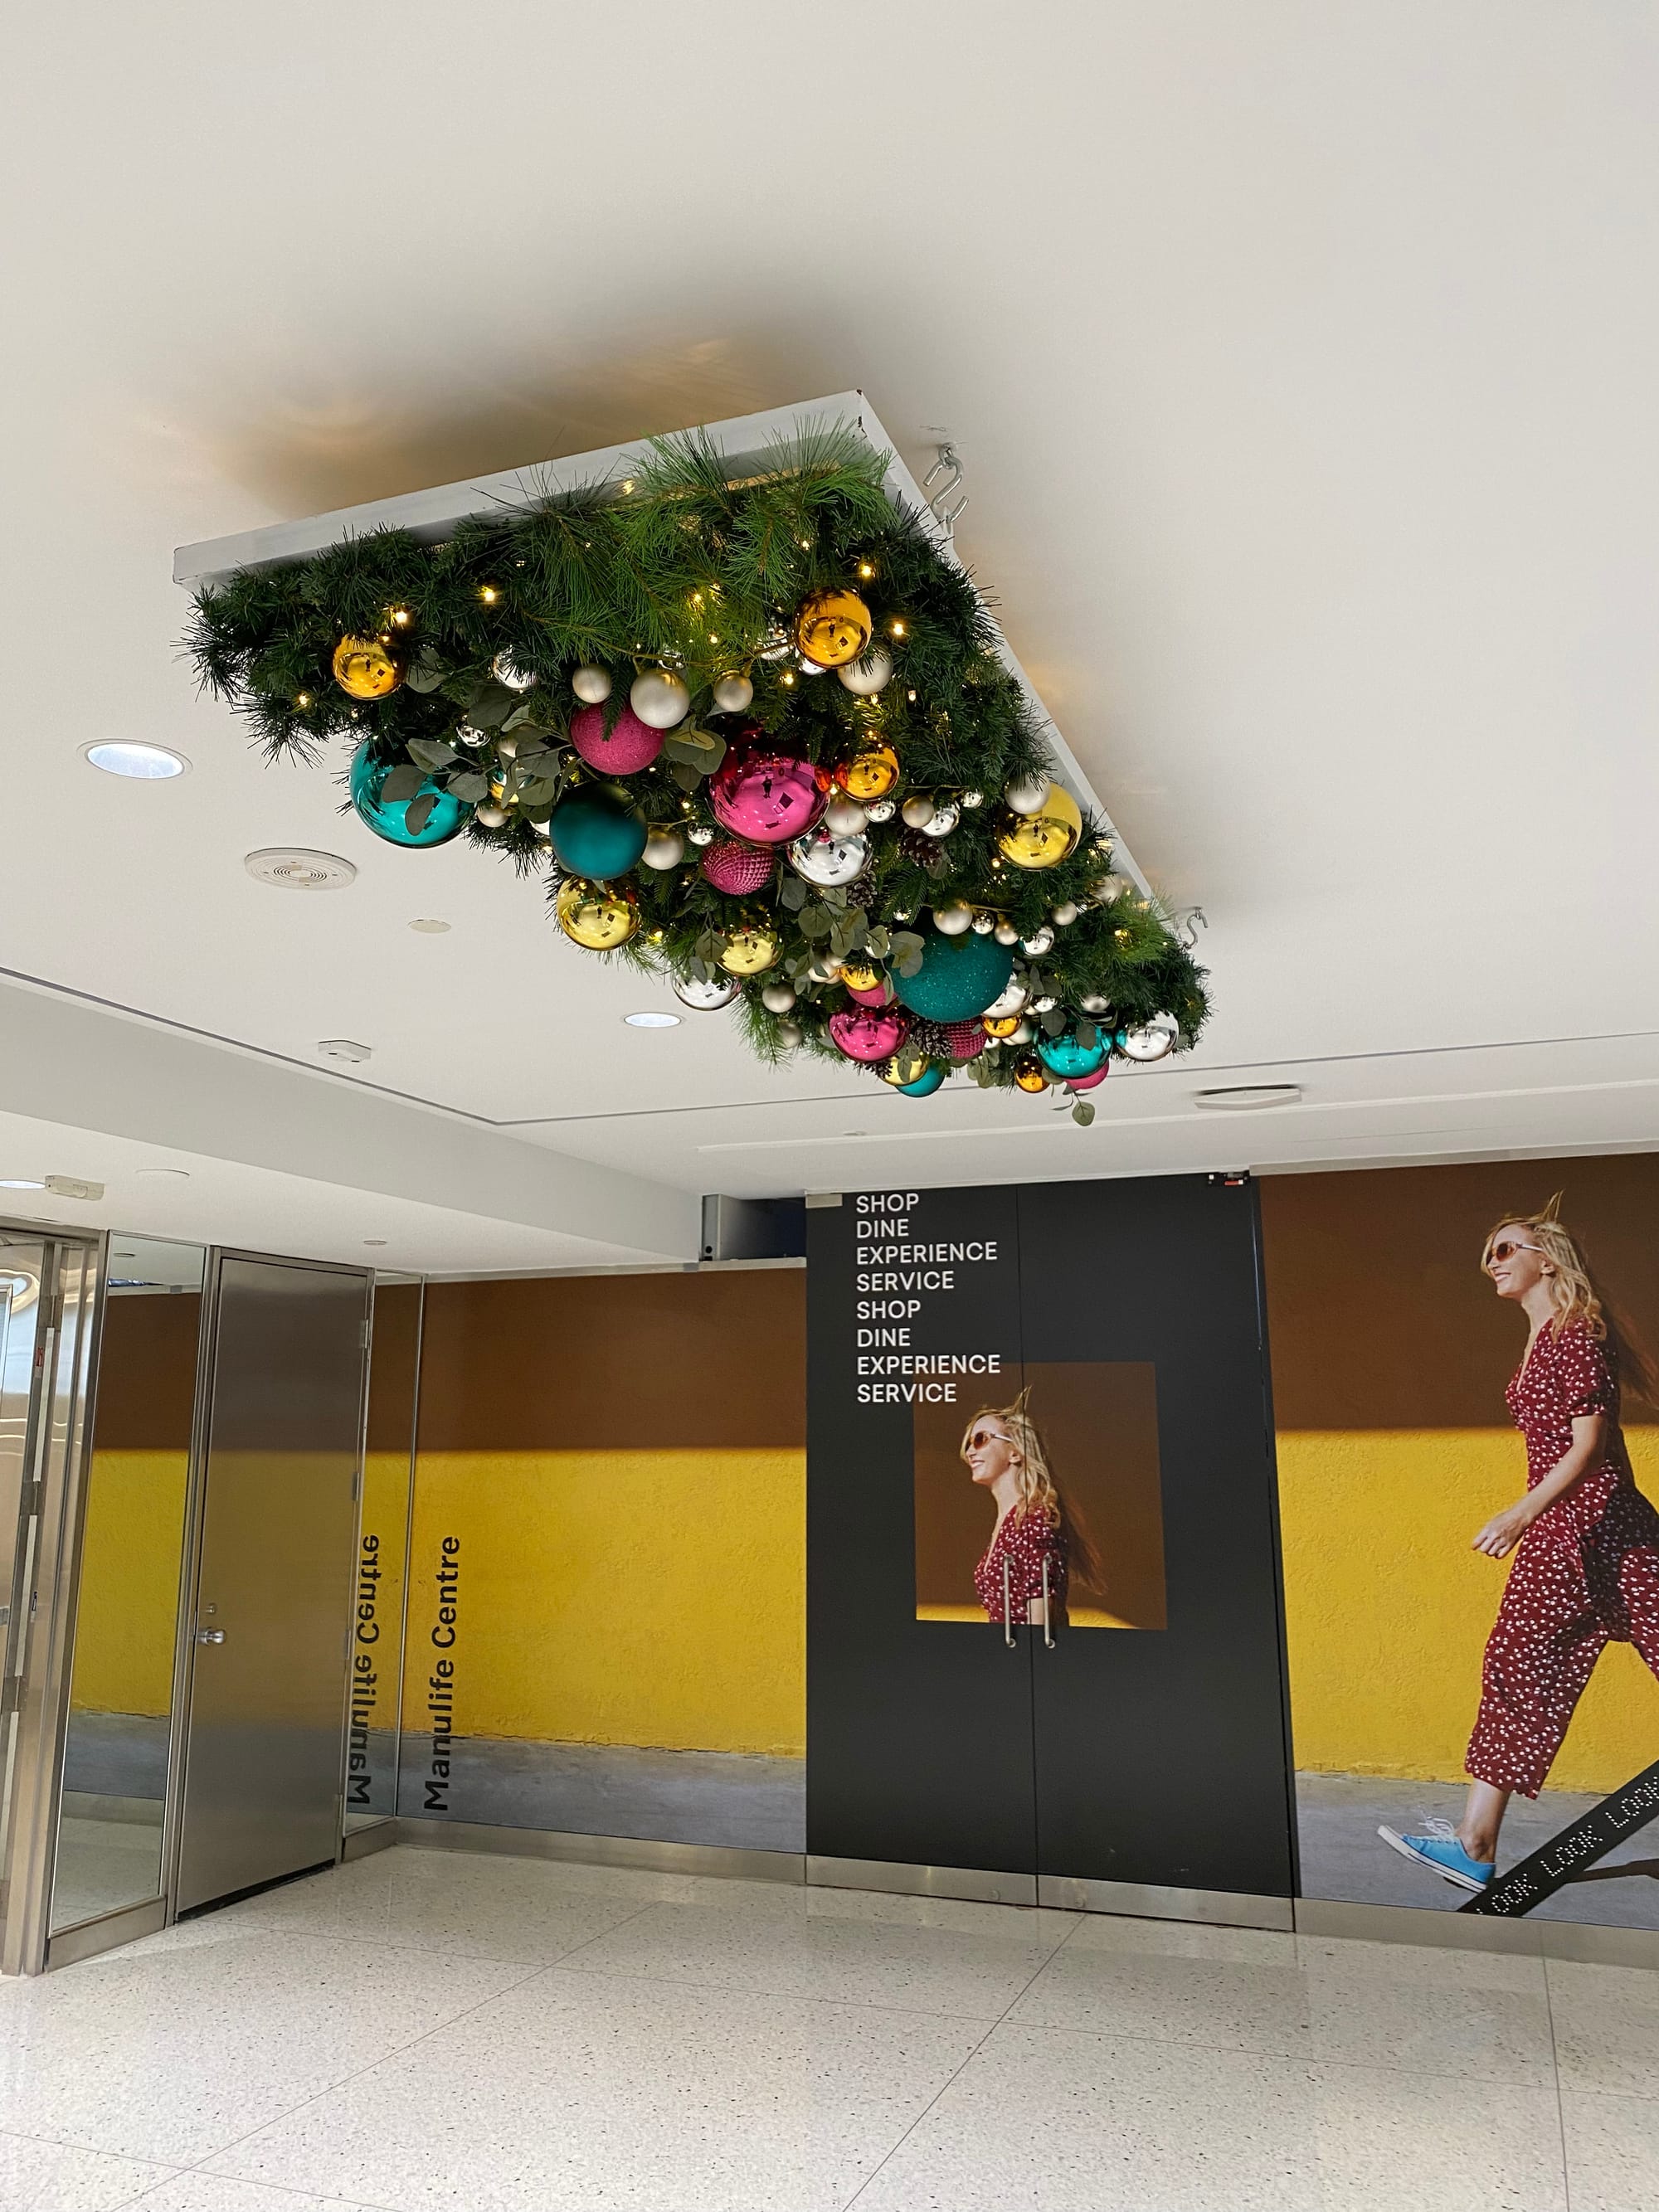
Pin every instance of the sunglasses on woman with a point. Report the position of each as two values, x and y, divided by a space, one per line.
981 1438
1507 1247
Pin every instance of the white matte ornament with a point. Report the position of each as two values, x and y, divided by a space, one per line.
664 849
845 817
1005 933
1040 941
1151 1040
707 997
659 698
1010 1003
827 860
1109 889
790 1034
778 997
506 670
953 920
1026 794
489 815
1065 913
732 694
918 811
865 677
943 820
591 685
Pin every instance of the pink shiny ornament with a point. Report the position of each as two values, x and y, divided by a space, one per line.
630 745
765 793
869 1033
1088 1082
962 1040
737 869
880 994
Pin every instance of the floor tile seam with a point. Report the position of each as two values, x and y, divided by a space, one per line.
988 2021
330 2088
349 2203
1119 2035
904 2134
1560 2113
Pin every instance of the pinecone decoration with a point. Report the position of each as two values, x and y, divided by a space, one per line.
924 852
952 1041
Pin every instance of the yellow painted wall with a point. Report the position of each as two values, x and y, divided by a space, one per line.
129 1597
1387 1609
642 1597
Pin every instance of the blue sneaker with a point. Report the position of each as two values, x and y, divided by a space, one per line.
1441 1850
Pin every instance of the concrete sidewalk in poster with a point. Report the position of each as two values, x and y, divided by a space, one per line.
732 1798
1343 1857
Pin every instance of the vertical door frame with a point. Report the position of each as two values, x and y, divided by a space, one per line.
53 1584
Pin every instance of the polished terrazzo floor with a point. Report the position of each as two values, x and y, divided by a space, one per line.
423 2031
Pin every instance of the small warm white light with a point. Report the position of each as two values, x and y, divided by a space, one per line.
652 1021
897 628
490 595
628 483
304 699
143 763
865 570
400 616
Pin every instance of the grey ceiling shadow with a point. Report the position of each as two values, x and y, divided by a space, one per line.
308 456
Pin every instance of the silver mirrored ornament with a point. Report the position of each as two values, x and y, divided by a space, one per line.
591 685
707 997
733 693
984 924
806 667
1151 1040
973 798
880 810
490 816
1094 1003
1039 942
943 820
1109 889
700 834
513 673
1010 1002
866 676
829 861
1045 1004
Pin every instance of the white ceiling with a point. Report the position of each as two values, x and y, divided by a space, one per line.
1302 359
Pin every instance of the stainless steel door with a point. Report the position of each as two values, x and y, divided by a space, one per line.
273 1586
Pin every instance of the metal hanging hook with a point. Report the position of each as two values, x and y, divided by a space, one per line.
949 466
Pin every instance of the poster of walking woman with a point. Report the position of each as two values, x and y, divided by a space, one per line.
1467 1419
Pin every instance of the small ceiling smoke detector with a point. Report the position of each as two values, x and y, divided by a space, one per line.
344 1049
295 868
1244 1097
428 925
73 1186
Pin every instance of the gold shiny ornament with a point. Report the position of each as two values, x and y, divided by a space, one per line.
1001 1025
750 951
907 1066
1028 1072
858 977
369 667
869 774
833 627
1044 840
597 915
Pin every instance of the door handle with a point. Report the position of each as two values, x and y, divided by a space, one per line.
210 1636
1007 1610
1047 1609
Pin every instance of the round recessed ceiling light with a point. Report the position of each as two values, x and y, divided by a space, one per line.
428 925
22 1182
652 1021
378 1241
142 764
294 868
1244 1097
344 1049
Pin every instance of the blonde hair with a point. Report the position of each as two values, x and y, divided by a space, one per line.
1575 1295
1039 1493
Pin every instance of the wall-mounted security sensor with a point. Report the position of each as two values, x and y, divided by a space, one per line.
296 868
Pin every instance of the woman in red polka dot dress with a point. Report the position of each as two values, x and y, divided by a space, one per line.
1585 1539
1035 1529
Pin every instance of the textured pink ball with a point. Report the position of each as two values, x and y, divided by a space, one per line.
631 745
882 995
870 1033
767 793
1088 1082
964 1039
738 869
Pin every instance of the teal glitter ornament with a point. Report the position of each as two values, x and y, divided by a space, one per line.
597 835
1067 1056
389 817
958 978
924 1084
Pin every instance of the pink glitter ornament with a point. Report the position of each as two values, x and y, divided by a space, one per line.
737 869
630 745
1088 1082
763 792
881 995
869 1033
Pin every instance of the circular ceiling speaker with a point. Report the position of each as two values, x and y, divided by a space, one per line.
295 868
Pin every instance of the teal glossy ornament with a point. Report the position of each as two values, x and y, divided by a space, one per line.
596 834
924 1084
389 817
958 978
1068 1057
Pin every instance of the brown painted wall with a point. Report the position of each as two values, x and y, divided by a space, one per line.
616 1362
1378 1317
